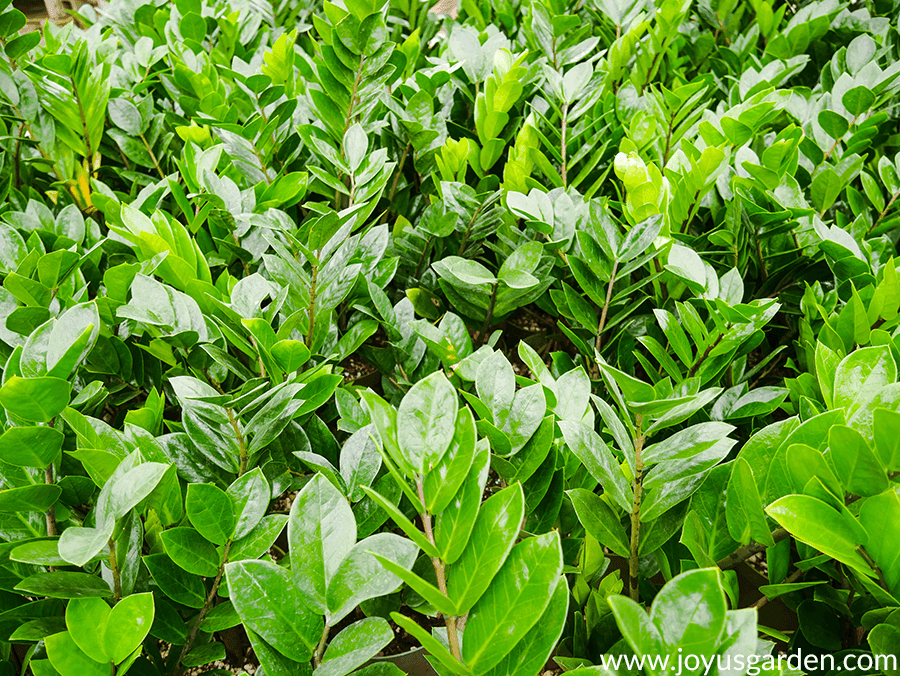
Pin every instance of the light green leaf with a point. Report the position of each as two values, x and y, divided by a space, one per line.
861 375
493 536
599 520
444 480
598 459
690 611
30 446
514 602
531 653
191 551
426 421
855 462
86 620
821 526
211 512
69 660
361 577
354 646
269 603
321 533
127 626
744 508
35 399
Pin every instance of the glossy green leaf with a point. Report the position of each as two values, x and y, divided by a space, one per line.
690 611
878 516
191 551
886 437
30 446
514 602
211 512
354 646
600 521
35 399
819 525
744 507
453 526
360 577
250 494
426 421
532 652
431 594
861 375
37 498
321 534
69 660
86 619
598 459
639 631
409 528
174 582
128 624
855 462
269 603
446 477
63 585
493 536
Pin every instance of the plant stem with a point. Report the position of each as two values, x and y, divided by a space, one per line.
320 648
881 579
637 486
424 255
490 314
747 551
562 144
116 573
156 161
259 359
204 611
440 573
397 177
84 124
242 444
603 312
312 304
51 510
465 239
693 370
884 213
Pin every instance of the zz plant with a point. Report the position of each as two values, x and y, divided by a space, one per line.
511 592
510 331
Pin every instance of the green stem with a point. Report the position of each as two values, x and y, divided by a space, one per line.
440 573
747 551
242 443
881 579
84 125
603 312
51 510
884 213
320 648
114 567
562 145
312 305
637 486
156 161
204 611
490 314
697 364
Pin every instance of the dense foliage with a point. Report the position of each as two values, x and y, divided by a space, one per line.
511 336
